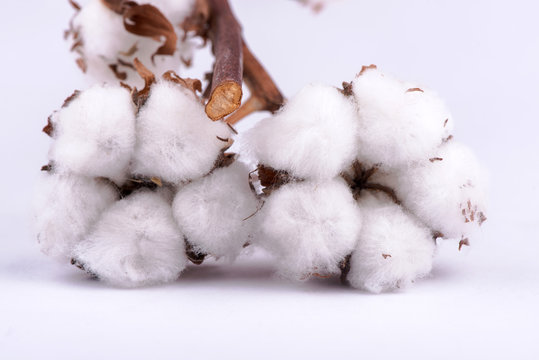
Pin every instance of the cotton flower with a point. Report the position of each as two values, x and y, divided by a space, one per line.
65 209
94 134
310 227
393 250
399 123
176 141
136 242
313 137
214 211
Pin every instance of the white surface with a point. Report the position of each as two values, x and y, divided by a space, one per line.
481 56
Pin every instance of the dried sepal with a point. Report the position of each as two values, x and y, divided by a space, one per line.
463 242
193 85
146 20
194 256
366 68
140 97
197 21
271 179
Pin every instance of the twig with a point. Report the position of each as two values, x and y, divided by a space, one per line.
225 33
265 96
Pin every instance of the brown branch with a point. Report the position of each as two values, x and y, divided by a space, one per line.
225 34
265 96
385 189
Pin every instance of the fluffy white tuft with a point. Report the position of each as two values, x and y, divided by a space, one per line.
393 250
211 211
447 194
176 141
105 41
135 243
95 133
398 122
310 227
65 208
313 137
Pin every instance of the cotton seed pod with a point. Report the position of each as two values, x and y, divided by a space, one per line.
310 227
176 141
94 133
65 208
136 242
394 248
214 212
312 137
447 192
399 123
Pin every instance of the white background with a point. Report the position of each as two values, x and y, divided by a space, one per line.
481 303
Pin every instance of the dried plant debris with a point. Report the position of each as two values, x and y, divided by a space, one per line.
107 35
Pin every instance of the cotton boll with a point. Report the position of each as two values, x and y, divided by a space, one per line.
313 137
176 141
398 122
393 250
104 44
95 133
66 206
135 243
212 212
310 227
447 193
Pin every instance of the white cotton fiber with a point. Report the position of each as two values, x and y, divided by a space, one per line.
212 211
310 227
448 194
65 208
393 250
105 41
313 137
176 141
398 122
135 243
175 10
94 134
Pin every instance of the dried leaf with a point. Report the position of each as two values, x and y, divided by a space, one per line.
482 218
463 242
118 6
156 181
197 21
146 20
131 51
385 256
140 97
191 84
49 128
75 5
435 159
365 68
346 88
414 90
70 98
81 63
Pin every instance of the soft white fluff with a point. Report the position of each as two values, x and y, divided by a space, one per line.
65 208
212 211
393 250
176 141
135 243
310 227
313 137
397 126
95 134
105 40
448 195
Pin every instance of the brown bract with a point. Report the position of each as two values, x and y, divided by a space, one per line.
146 20
140 97
271 179
193 85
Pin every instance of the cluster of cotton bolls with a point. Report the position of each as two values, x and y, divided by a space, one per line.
106 48
362 180
132 191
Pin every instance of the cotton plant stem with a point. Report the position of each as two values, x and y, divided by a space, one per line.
234 64
225 34
265 96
